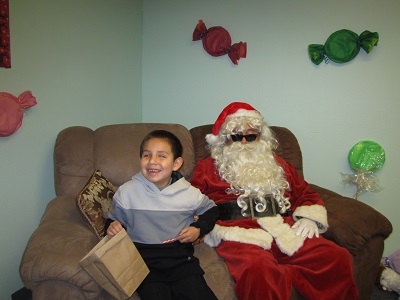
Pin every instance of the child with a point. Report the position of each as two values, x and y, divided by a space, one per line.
159 209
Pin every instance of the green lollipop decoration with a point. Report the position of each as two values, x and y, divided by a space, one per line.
365 159
342 46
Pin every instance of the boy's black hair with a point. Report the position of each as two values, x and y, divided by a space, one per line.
175 143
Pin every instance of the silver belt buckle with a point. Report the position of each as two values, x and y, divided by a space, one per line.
260 208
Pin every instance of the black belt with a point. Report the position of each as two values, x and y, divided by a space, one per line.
231 211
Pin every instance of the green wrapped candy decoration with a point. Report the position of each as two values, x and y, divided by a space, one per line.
365 158
342 46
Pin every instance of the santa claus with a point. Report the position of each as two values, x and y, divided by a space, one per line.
269 232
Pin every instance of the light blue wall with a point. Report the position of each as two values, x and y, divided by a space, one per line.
82 60
329 107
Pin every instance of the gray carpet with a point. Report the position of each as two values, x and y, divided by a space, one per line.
378 294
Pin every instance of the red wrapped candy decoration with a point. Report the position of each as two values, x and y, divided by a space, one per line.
217 41
12 111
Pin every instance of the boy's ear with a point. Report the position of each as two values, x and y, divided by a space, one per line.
178 163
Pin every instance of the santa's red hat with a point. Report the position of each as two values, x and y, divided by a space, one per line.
235 109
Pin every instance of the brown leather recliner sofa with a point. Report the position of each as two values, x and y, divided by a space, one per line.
50 264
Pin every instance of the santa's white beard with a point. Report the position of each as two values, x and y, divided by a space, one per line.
252 167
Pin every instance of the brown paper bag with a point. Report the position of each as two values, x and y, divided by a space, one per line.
116 265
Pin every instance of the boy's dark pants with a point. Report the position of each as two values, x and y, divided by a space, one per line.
193 287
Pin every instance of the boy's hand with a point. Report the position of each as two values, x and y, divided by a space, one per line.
199 240
187 235
114 228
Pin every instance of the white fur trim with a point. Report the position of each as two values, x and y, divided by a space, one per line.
212 139
213 238
272 227
315 213
285 237
245 113
253 236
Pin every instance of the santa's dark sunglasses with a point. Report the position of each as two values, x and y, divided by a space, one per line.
249 137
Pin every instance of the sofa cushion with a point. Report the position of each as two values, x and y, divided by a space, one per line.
95 201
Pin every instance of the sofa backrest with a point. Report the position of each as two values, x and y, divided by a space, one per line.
112 149
288 147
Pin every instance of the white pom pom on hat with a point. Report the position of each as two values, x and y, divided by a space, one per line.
235 109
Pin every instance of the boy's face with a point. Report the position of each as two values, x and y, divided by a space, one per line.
157 162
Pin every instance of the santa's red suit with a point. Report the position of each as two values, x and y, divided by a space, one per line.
265 257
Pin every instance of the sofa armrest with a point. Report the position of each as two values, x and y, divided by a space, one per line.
54 251
352 223
216 272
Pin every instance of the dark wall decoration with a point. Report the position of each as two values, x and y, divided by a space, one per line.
342 46
12 111
217 41
5 56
